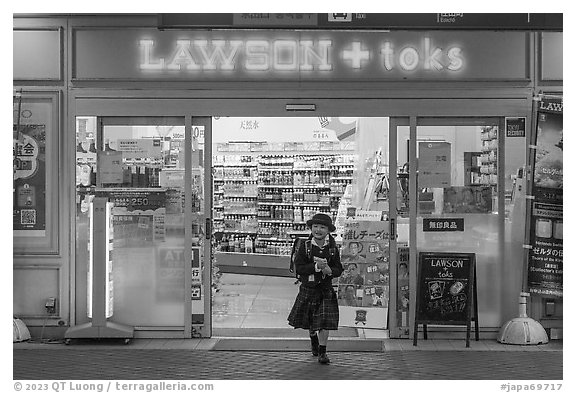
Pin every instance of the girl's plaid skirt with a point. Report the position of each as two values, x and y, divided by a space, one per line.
315 309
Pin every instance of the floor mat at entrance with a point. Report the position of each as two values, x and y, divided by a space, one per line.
277 332
231 344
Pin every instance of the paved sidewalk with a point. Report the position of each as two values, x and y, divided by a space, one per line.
197 359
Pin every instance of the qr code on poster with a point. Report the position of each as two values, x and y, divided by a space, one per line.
28 216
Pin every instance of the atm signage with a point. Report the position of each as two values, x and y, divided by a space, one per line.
299 55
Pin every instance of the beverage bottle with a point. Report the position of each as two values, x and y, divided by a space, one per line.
92 148
242 245
237 244
224 243
78 174
249 245
93 174
126 175
135 175
79 147
142 176
85 175
156 177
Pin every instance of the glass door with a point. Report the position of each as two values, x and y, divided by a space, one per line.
454 173
152 170
461 199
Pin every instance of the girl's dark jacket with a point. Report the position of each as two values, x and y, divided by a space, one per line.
305 266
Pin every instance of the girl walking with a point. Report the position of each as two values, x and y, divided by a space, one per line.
317 262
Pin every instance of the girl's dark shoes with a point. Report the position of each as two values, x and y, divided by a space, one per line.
314 344
322 357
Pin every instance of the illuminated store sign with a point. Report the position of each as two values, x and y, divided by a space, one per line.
299 56
295 55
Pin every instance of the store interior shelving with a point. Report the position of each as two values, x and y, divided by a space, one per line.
489 156
262 200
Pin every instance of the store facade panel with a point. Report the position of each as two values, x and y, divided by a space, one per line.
31 45
551 57
453 92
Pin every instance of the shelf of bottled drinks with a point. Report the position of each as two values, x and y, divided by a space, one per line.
263 198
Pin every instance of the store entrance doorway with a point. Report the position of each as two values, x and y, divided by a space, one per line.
271 175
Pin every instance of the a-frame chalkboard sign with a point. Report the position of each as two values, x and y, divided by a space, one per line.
446 292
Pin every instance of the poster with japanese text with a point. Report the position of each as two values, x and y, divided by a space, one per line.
434 163
403 285
545 256
29 163
548 162
363 287
139 216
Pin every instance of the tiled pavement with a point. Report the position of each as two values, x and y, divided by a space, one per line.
198 360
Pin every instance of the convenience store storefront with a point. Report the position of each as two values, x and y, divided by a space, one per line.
171 88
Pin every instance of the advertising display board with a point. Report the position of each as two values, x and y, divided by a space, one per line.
29 151
545 256
403 285
363 287
446 291
139 215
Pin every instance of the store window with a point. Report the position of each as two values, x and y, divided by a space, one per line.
139 165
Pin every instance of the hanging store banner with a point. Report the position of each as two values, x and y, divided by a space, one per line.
297 55
545 256
548 162
363 287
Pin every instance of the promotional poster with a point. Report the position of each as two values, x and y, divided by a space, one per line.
29 162
363 287
403 286
545 257
139 216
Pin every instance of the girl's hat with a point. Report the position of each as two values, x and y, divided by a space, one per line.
322 219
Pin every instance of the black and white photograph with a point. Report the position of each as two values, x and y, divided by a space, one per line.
207 197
